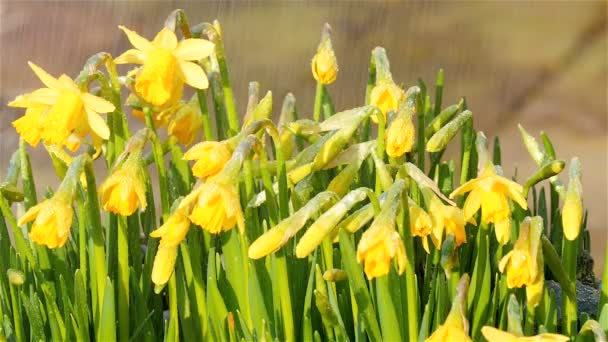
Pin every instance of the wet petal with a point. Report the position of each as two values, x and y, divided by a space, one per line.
97 104
193 75
132 56
136 40
193 49
98 125
165 39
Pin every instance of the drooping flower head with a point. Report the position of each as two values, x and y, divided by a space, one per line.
420 224
60 112
217 207
210 156
381 242
524 263
52 221
445 218
124 190
171 234
167 64
387 96
491 192
456 325
187 123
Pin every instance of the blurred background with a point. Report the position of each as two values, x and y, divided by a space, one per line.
541 64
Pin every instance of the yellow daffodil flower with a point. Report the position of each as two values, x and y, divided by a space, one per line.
171 234
210 156
52 221
572 211
490 193
30 125
494 335
400 135
420 224
187 123
448 218
524 263
324 64
125 189
387 96
166 64
456 325
379 244
217 207
70 111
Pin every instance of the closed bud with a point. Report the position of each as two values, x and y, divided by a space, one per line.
335 275
387 96
400 135
572 211
324 64
15 277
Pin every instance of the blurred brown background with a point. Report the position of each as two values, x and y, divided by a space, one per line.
541 64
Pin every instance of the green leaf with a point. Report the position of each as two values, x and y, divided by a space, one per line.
107 323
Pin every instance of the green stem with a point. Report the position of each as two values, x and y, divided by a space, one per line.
318 102
202 102
17 314
569 307
123 279
20 242
529 324
157 151
280 260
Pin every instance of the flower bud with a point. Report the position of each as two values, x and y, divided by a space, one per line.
15 277
187 123
387 96
400 135
324 64
572 211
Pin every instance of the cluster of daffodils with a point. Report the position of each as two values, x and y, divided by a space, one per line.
352 225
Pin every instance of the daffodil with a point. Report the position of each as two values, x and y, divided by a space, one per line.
324 64
572 211
456 325
377 247
52 221
490 192
400 135
420 224
495 335
445 218
187 123
217 207
70 111
30 125
210 156
125 190
167 64
524 263
387 96
171 234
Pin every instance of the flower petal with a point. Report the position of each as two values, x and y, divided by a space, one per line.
503 262
136 40
96 103
193 74
31 214
515 192
165 39
193 49
46 79
40 97
164 264
98 125
466 187
472 204
132 56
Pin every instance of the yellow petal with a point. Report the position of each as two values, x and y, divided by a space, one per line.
98 125
494 335
30 214
466 187
46 79
193 49
40 97
503 262
472 204
503 231
515 192
136 40
164 263
165 39
132 56
193 75
97 104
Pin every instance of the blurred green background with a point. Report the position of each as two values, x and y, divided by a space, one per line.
541 64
